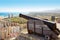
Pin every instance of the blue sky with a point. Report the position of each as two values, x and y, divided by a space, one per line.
28 5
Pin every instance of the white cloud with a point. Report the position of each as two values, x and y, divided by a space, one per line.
24 9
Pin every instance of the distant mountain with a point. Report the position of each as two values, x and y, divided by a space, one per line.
45 13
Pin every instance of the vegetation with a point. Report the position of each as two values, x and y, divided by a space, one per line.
18 20
42 15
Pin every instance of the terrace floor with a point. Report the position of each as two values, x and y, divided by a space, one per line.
25 36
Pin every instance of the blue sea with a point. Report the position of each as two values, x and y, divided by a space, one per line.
4 14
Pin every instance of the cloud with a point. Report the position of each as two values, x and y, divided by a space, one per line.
24 9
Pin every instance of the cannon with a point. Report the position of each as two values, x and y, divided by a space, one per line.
51 25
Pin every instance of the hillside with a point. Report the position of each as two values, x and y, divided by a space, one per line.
34 14
17 20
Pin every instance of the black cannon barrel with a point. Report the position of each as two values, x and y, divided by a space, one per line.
50 24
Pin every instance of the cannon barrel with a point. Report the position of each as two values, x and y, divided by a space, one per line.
50 24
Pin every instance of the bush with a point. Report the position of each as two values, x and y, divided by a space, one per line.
18 20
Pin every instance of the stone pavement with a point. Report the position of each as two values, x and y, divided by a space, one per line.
29 37
25 36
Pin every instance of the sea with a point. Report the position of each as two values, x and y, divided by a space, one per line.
5 14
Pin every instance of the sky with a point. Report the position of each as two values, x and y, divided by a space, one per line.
28 5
